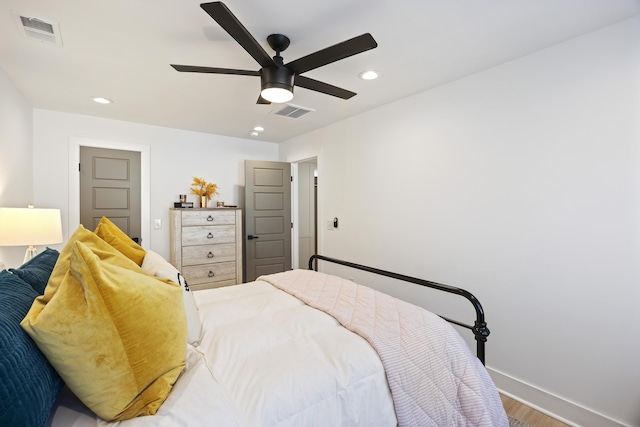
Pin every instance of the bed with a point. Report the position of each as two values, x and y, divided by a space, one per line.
298 348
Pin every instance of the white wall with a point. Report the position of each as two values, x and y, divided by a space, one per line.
16 172
521 184
175 157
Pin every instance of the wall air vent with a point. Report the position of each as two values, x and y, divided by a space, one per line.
292 111
37 29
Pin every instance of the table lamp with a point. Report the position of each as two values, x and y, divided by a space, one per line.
30 227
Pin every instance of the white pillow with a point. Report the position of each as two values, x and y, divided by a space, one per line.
155 265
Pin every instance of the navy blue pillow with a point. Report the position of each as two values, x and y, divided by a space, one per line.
28 383
36 271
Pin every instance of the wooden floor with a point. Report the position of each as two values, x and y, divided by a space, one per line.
528 415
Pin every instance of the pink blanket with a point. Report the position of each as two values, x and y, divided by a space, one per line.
434 377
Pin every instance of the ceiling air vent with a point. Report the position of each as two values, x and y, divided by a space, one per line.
292 111
37 29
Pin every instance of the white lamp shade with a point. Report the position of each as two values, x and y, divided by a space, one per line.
277 95
30 226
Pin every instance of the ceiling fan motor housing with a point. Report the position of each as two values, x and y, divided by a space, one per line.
280 77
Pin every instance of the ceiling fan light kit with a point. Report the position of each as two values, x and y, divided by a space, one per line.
276 84
276 78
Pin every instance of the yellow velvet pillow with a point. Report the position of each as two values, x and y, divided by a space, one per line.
111 234
104 250
115 335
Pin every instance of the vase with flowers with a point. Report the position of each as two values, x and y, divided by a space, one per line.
205 190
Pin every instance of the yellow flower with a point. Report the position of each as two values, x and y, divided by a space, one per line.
200 187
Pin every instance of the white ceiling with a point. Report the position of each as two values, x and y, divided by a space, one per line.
122 50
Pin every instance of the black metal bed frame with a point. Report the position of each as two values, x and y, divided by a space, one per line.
479 328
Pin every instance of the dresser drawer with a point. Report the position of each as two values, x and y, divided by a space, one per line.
217 217
197 274
206 254
203 235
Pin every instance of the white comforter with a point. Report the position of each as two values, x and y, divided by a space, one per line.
267 359
434 378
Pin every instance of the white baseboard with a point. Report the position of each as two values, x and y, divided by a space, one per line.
550 404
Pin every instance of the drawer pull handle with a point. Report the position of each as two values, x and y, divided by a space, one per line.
210 255
211 274
209 236
209 218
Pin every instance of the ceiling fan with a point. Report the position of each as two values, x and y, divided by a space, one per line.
277 78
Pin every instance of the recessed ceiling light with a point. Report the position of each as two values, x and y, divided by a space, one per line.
101 100
254 133
258 128
369 75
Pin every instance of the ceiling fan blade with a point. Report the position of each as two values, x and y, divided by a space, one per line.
322 87
333 53
227 20
197 69
261 100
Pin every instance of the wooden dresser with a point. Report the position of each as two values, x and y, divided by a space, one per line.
206 246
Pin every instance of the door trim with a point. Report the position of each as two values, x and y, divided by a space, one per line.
145 181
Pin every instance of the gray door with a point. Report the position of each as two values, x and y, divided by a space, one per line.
110 186
267 218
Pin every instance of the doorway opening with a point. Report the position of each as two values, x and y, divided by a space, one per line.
304 211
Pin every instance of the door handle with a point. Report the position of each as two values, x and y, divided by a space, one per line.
251 237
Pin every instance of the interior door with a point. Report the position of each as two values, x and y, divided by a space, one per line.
267 218
110 186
